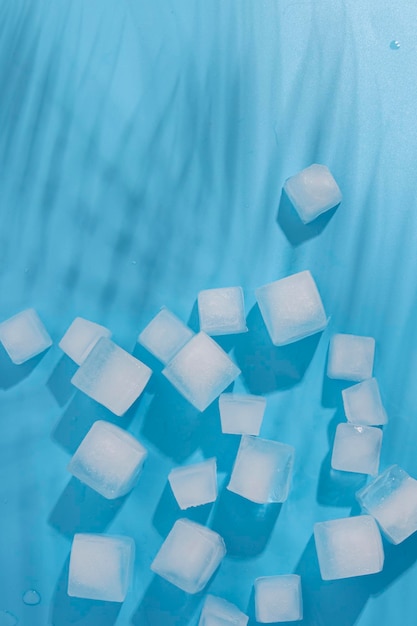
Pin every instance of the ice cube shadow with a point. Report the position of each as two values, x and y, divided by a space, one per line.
66 610
265 367
80 509
11 374
164 604
293 228
244 525
59 382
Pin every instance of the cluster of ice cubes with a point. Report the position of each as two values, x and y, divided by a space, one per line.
109 460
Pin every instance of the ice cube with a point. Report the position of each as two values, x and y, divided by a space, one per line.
165 335
189 556
109 460
278 599
219 612
112 376
262 470
357 449
194 485
351 357
101 567
24 336
312 192
391 498
291 308
363 405
222 311
201 370
241 414
349 546
81 337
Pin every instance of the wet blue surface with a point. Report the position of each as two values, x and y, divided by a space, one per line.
143 150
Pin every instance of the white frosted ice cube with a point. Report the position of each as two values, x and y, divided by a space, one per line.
194 485
363 405
101 567
222 311
357 449
262 470
312 192
201 370
189 556
351 357
241 414
112 376
391 498
24 336
165 335
278 599
109 460
350 546
291 308
81 337
219 612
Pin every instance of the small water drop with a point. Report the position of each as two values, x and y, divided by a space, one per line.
31 597
134 262
394 45
8 619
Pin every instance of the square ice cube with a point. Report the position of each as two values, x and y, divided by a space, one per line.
24 336
312 192
101 567
291 308
194 485
219 612
349 546
363 405
81 337
201 370
165 335
189 556
391 498
112 376
278 599
109 460
262 470
222 311
351 357
357 449
241 414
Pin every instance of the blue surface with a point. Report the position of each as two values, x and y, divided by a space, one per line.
143 149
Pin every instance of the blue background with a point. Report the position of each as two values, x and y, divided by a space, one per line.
143 149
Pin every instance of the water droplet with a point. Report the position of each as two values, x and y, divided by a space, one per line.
31 597
8 619
134 262
394 45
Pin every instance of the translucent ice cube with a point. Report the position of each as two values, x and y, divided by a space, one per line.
363 404
351 357
201 370
112 376
219 612
313 191
357 449
391 498
291 308
241 414
194 485
350 546
165 335
262 470
222 311
278 599
189 556
81 337
101 567
24 336
109 460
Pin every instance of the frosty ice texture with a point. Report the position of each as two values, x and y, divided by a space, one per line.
312 192
222 311
351 357
194 485
363 405
241 414
278 599
165 335
24 336
219 612
357 449
81 337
